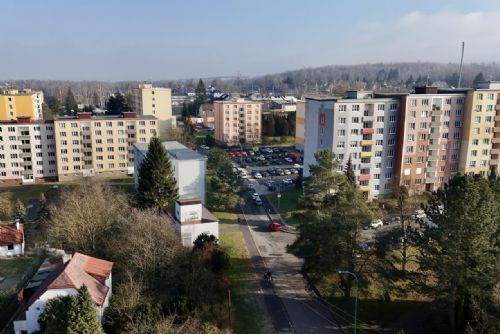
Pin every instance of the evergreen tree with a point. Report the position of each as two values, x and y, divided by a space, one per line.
460 258
20 211
70 102
82 317
479 78
201 93
349 172
157 187
43 212
117 104
96 100
410 81
269 125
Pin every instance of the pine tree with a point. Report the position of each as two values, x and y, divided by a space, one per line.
460 255
82 316
201 93
157 187
349 172
70 102
479 78
43 211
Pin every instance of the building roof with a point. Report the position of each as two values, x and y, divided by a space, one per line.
10 235
188 201
174 149
103 118
207 216
80 270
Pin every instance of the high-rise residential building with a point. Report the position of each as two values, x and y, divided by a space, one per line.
238 121
100 145
358 126
27 151
16 103
481 133
430 136
299 125
154 101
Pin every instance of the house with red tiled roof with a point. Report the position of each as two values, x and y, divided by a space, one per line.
12 240
65 280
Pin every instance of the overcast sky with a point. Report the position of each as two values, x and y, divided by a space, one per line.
152 40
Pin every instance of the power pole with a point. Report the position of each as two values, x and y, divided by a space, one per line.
461 64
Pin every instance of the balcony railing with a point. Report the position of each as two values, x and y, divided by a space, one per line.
367 131
364 177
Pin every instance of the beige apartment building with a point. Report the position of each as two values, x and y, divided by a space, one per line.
16 103
27 151
300 117
238 121
154 101
430 136
480 140
100 145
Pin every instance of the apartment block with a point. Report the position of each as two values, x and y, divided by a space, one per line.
299 125
428 149
154 101
481 133
189 168
359 126
16 103
238 121
100 145
27 151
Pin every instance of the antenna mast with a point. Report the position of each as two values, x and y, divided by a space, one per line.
461 64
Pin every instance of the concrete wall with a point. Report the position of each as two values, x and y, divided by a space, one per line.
190 232
16 251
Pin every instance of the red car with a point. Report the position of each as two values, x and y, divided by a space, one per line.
238 154
231 154
244 154
275 226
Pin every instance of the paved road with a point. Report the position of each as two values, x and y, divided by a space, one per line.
291 307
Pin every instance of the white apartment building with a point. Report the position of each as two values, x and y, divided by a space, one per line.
189 168
359 126
27 151
192 219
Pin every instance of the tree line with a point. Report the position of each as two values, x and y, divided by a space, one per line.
454 262
282 124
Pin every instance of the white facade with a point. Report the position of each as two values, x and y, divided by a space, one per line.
27 152
12 250
360 127
189 168
192 220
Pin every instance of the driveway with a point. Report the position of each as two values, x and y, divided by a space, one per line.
293 308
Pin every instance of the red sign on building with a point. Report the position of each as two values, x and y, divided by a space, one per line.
322 119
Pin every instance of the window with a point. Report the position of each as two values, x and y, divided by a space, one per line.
413 114
341 120
392 118
354 132
380 118
379 142
342 107
476 131
477 119
354 143
425 102
423 125
413 102
341 133
411 137
380 131
381 107
412 126
408 160
388 175
355 107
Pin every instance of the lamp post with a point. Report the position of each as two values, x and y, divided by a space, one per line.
340 272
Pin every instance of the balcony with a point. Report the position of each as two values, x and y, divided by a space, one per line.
368 118
26 163
432 158
366 154
431 169
431 179
365 165
436 123
364 177
27 172
495 150
495 162
87 149
497 107
25 146
436 112
25 155
434 135
24 137
497 118
496 129
366 142
367 131
130 131
434 147
495 140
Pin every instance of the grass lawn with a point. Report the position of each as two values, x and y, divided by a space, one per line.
278 141
226 217
247 314
289 203
13 269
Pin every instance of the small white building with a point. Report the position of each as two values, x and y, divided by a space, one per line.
193 219
65 280
189 168
12 240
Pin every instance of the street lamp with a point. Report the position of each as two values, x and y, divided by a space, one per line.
340 272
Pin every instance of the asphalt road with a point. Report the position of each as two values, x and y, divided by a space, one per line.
291 307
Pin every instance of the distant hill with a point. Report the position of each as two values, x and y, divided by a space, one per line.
381 77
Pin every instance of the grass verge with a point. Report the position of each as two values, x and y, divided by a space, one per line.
288 205
247 313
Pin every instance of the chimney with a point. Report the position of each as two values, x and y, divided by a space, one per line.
17 225
129 114
84 115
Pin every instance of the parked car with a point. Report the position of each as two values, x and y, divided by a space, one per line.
294 171
265 174
280 172
420 214
297 166
250 186
287 159
243 175
275 226
287 172
204 147
287 181
258 201
257 175
251 152
376 223
249 160
255 196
